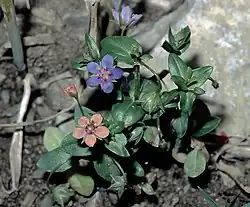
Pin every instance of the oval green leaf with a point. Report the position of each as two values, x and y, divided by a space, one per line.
200 76
186 101
93 49
177 66
208 127
127 112
180 125
195 163
107 168
56 160
122 48
151 136
82 184
138 169
117 148
52 138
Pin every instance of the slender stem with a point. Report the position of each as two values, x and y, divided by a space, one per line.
80 107
123 30
137 82
153 71
13 33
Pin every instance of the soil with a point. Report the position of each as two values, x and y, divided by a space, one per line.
173 187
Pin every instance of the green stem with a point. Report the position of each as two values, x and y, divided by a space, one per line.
137 82
123 30
153 71
80 107
13 33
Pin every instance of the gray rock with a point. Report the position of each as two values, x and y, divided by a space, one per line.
5 96
220 37
2 77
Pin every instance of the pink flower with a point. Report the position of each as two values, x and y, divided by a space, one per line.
91 129
70 90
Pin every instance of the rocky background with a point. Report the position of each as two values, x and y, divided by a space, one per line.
54 31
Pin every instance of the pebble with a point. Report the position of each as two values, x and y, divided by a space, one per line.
2 76
5 96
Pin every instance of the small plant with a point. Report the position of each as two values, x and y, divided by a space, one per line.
109 141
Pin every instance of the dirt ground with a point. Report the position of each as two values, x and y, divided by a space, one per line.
173 187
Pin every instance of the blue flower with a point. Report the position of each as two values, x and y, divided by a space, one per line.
104 75
126 17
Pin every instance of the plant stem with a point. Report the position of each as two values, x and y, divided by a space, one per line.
123 30
80 107
13 33
153 71
137 82
215 84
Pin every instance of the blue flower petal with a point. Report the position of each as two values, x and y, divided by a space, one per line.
107 62
135 18
94 81
92 67
117 73
116 16
126 14
107 86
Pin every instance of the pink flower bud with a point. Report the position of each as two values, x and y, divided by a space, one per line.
70 90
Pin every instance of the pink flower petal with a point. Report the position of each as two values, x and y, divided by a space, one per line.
101 132
97 119
90 140
83 121
79 133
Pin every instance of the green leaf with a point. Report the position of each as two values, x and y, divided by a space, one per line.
186 101
180 82
79 64
180 125
56 159
246 205
116 127
70 146
106 168
62 194
146 57
92 47
171 38
138 169
195 163
52 138
167 97
78 114
182 38
208 127
148 189
82 184
199 77
122 48
208 199
117 148
199 91
177 66
136 135
128 112
150 102
151 136
149 86
121 138
169 48
118 185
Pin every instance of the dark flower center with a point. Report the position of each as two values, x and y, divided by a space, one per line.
104 74
90 128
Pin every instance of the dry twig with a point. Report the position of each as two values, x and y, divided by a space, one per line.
17 138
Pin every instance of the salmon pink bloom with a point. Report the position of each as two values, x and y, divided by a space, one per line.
91 129
70 90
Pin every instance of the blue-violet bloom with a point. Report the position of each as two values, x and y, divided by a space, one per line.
126 17
104 74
